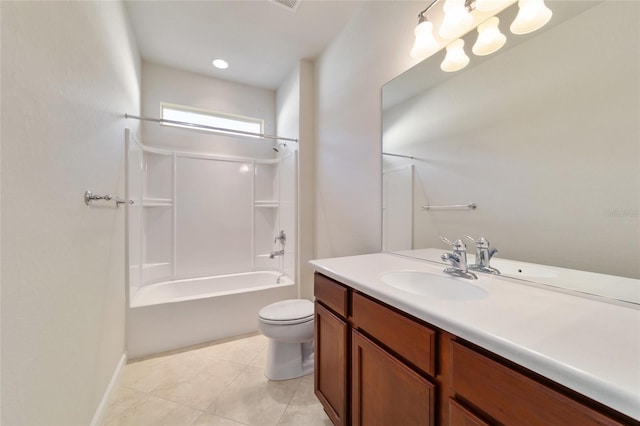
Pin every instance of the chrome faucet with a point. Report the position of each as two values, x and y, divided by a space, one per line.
458 260
276 253
483 256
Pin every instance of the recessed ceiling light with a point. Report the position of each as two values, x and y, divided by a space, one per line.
220 63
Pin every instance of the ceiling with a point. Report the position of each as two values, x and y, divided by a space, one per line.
261 40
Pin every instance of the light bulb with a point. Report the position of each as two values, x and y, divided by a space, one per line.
220 64
488 5
456 59
490 39
425 44
457 19
532 15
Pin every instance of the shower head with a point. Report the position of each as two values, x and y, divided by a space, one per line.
275 147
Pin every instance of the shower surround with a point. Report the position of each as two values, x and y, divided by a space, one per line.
200 233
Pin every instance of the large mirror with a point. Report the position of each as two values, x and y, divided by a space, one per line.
542 136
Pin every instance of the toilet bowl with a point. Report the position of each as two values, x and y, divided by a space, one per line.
289 327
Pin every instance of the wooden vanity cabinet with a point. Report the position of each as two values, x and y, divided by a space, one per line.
374 365
378 366
391 370
331 334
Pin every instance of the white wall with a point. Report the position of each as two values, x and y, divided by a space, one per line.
70 70
371 50
164 84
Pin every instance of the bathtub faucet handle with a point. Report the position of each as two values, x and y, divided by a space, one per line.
282 237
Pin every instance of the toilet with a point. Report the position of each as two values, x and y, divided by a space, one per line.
289 327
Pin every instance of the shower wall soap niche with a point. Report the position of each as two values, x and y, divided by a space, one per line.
266 214
266 184
157 216
158 177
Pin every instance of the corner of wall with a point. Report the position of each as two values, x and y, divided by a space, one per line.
307 178
98 416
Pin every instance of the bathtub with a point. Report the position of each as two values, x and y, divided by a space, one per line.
175 314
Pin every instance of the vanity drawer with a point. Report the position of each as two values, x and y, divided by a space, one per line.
331 294
460 416
408 338
512 398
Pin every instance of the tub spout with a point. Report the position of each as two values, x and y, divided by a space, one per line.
276 253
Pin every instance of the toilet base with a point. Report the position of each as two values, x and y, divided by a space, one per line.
289 360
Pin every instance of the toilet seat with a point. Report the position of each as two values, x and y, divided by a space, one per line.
287 312
287 322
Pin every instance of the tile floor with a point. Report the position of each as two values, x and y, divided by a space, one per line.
218 385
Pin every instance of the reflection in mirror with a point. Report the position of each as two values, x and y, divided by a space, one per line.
543 136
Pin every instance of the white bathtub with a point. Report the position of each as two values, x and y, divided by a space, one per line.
175 314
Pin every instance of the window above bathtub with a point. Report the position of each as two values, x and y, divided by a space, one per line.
230 122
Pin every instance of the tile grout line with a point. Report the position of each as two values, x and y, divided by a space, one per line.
293 394
226 389
216 415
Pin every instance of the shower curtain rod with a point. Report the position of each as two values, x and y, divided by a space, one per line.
202 126
398 155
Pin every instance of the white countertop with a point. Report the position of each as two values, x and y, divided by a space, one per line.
590 346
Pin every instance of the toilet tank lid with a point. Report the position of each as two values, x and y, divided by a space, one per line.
287 310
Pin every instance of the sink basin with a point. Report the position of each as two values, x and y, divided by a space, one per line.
440 286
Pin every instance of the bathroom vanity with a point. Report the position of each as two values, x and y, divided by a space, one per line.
399 343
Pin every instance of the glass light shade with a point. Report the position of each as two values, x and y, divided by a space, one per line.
532 15
425 44
456 59
490 39
488 5
457 19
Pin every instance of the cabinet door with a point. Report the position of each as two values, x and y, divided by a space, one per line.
385 391
331 347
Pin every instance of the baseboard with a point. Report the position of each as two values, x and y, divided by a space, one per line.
97 417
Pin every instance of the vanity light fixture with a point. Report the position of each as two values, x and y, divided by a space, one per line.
456 59
425 44
489 5
490 39
532 15
457 20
